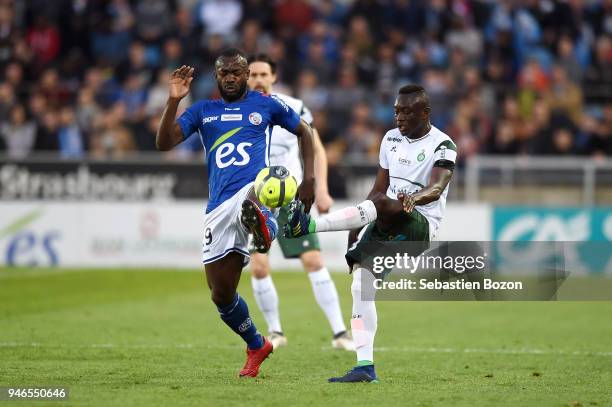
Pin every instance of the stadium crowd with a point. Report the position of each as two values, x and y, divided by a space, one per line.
89 77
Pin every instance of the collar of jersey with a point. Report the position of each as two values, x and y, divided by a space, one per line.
413 140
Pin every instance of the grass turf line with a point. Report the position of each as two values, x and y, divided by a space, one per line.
153 337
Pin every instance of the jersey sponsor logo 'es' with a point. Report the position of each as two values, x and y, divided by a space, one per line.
226 150
255 118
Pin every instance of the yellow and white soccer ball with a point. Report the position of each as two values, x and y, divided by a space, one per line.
275 187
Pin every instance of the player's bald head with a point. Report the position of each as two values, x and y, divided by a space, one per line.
231 55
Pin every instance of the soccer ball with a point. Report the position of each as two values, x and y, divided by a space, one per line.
275 187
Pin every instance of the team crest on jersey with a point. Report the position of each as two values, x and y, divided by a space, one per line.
255 118
421 156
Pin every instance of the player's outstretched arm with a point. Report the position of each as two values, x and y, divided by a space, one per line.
306 189
169 133
439 179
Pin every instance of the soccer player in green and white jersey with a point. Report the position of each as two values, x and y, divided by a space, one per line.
407 203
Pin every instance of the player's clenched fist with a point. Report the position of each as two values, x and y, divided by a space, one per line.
180 80
408 201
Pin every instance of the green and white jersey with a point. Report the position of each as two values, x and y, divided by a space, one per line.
284 148
410 163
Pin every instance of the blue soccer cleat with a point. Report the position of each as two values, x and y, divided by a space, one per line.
358 374
261 224
299 223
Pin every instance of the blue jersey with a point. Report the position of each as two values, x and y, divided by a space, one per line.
236 137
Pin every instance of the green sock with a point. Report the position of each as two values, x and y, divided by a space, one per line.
364 363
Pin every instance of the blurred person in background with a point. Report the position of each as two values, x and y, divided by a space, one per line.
70 138
310 91
361 137
7 100
597 83
111 138
209 14
284 151
19 132
564 96
343 95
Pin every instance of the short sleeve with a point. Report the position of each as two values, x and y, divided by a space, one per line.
282 114
382 155
445 151
306 115
190 120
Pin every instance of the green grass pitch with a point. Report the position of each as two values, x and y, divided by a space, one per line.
153 338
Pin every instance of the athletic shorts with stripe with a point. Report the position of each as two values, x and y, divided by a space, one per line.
223 230
413 227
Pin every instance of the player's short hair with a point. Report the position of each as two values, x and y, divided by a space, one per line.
263 58
410 89
231 53
417 91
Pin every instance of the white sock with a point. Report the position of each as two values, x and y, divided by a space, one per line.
267 300
347 218
327 297
365 319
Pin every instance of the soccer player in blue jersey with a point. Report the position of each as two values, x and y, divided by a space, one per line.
235 131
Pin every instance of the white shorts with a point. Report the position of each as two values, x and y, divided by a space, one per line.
223 230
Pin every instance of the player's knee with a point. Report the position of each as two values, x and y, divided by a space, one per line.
259 266
312 261
356 284
221 297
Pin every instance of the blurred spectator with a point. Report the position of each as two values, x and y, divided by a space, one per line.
44 40
70 138
362 138
310 91
293 14
220 17
152 19
111 138
8 33
598 77
504 139
563 96
19 133
346 93
253 40
7 100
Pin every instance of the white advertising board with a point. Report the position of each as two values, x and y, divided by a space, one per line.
80 234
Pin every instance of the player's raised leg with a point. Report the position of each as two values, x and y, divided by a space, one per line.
260 222
223 276
300 223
